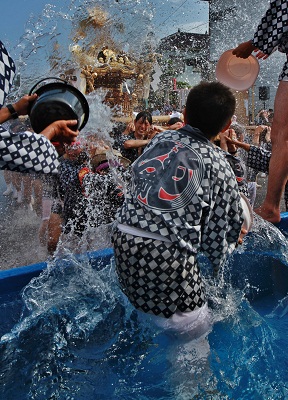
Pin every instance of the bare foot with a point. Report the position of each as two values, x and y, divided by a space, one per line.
269 214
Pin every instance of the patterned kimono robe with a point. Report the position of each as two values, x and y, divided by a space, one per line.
184 191
272 32
27 152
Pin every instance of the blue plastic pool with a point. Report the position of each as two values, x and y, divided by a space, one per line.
69 334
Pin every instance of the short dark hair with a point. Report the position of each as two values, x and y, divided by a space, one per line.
174 120
209 107
145 116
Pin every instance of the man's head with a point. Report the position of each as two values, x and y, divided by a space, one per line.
76 152
175 123
209 107
142 123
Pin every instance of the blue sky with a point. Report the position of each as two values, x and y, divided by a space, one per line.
32 34
13 22
169 15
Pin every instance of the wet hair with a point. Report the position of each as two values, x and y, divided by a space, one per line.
174 120
239 130
145 116
209 107
20 126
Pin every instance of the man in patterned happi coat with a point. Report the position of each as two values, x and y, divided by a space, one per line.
27 151
183 200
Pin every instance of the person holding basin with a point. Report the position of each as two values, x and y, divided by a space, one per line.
27 151
272 34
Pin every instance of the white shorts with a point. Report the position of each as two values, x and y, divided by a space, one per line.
194 323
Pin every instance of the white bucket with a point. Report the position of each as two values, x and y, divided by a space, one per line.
247 213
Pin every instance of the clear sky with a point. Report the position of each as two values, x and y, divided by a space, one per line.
37 33
14 16
168 15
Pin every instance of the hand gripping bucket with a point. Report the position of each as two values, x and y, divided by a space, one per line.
57 101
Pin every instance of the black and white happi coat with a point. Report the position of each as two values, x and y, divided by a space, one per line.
272 32
259 158
27 152
182 188
23 151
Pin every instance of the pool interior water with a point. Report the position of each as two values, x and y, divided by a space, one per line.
69 334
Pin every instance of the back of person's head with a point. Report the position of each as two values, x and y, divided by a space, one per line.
76 151
174 120
20 125
209 107
144 116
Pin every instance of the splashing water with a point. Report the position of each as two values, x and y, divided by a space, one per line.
100 121
45 46
77 338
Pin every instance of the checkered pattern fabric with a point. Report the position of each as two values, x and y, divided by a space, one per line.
259 158
70 193
130 153
272 32
104 192
27 151
284 73
240 172
273 29
7 72
182 188
156 277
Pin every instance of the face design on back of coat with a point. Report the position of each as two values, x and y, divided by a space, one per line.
168 176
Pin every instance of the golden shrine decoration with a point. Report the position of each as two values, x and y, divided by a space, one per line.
103 65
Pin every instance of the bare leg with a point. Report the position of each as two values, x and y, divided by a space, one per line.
38 191
278 168
7 176
17 180
46 215
8 180
27 188
54 232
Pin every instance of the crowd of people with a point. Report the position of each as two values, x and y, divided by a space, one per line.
67 202
92 175
168 109
85 192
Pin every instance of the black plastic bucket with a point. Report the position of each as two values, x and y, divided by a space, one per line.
57 101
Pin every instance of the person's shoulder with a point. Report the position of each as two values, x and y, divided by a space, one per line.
129 136
121 139
219 155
